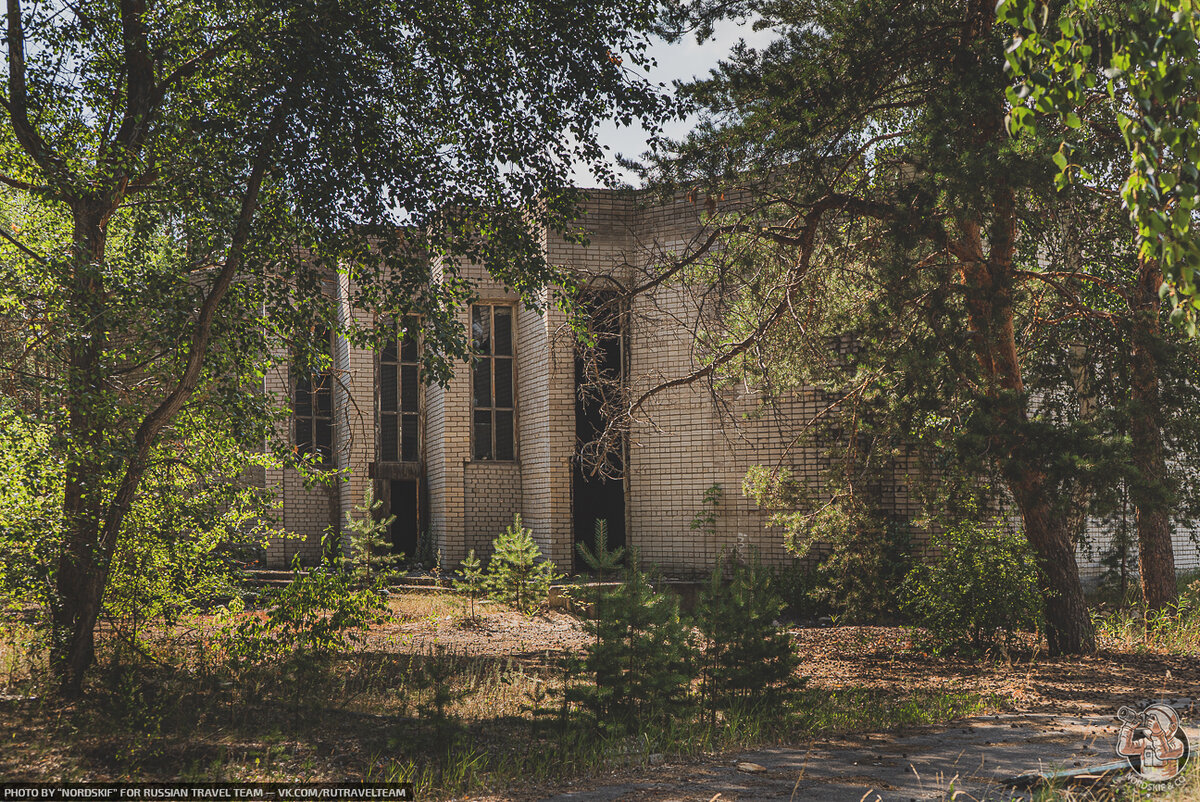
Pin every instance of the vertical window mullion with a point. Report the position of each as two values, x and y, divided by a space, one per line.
492 371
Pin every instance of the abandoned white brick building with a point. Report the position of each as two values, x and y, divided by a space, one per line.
459 462
456 463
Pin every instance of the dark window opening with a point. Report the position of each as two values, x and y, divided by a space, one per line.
312 408
399 394
492 383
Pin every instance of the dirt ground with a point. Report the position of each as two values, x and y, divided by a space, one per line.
1051 712
1071 702
867 657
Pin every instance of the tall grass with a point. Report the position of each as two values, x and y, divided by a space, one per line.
1175 630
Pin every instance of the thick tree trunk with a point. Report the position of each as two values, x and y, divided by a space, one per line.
1151 494
1068 623
82 566
987 278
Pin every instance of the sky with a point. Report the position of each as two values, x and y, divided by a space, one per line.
682 61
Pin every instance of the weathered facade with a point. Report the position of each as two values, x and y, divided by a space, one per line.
456 463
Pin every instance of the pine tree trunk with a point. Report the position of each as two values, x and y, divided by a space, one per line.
987 276
1151 494
82 567
1068 623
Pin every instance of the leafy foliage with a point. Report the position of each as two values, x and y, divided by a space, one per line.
29 511
517 574
1149 63
978 586
705 519
185 184
860 552
321 611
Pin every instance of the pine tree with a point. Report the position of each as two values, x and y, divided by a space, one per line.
603 562
472 582
517 574
642 661
371 558
872 170
748 658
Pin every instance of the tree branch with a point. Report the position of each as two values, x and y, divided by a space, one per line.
154 422
17 103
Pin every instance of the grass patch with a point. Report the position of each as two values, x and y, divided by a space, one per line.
449 720
1173 631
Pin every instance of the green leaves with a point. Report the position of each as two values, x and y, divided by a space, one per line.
977 586
1153 74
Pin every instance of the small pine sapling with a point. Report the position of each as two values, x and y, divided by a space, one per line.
603 561
517 574
642 660
371 558
748 658
472 583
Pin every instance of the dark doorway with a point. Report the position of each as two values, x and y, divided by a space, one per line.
402 502
598 481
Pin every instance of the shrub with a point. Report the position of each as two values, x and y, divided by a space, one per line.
748 658
978 587
517 574
321 611
642 660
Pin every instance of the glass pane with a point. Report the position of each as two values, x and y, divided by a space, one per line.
324 432
408 388
388 434
504 434
388 398
483 435
504 383
483 382
324 395
408 350
388 354
504 330
408 441
302 405
304 435
481 329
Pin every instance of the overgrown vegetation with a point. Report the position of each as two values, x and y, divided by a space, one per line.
451 720
748 659
371 558
321 611
642 661
978 586
1174 630
516 573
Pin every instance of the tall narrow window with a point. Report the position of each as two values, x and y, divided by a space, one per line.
399 372
312 408
492 381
